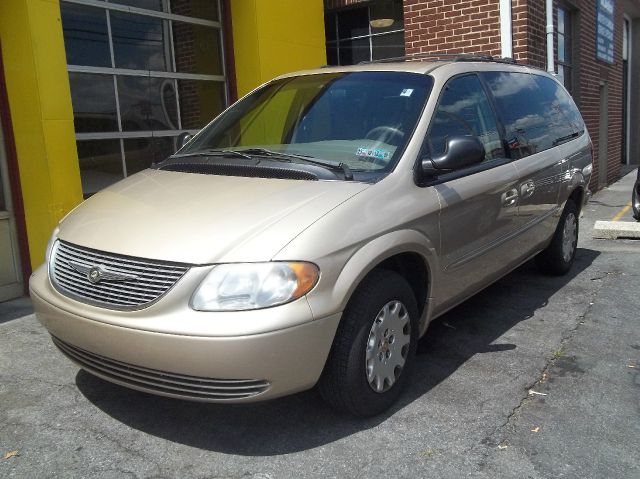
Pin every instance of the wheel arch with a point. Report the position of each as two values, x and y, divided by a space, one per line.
406 252
577 195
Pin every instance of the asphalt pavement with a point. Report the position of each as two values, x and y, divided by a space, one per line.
535 377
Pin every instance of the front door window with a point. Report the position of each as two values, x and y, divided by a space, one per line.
464 110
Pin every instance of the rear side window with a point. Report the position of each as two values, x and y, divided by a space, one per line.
535 112
464 110
566 117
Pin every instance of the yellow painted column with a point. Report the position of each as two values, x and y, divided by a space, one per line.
41 113
272 37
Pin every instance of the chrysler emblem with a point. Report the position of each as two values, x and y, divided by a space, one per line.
98 273
95 274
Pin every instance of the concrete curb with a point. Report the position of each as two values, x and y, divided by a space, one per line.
616 229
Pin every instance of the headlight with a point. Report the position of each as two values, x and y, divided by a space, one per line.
52 240
244 286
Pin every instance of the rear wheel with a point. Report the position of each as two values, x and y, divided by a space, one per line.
558 257
370 359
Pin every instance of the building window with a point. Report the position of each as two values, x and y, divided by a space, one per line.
141 72
564 64
366 33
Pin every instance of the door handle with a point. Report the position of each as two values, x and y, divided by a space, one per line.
510 198
527 189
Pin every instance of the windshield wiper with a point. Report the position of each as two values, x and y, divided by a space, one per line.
252 153
214 152
277 155
563 139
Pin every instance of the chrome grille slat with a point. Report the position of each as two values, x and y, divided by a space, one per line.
140 270
152 278
89 289
113 286
120 259
117 267
96 294
163 382
156 283
90 294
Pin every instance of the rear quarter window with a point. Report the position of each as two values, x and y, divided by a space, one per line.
537 114
559 100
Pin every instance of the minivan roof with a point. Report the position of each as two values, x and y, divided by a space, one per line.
424 65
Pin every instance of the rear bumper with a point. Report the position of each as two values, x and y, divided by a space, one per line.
239 368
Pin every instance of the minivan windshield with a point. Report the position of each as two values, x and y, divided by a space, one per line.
356 121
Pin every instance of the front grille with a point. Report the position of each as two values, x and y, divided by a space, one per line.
164 383
127 283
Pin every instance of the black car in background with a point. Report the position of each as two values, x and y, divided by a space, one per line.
635 198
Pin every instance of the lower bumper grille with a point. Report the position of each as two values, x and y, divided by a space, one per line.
164 383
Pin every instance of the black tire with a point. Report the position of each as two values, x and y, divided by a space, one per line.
344 384
635 200
554 260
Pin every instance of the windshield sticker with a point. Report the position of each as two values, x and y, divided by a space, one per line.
406 92
377 153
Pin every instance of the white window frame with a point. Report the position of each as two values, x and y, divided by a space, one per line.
369 35
119 72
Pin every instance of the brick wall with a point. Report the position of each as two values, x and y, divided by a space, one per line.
194 53
529 27
185 56
591 73
473 26
529 39
444 26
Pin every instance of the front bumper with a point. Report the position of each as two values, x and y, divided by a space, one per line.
226 365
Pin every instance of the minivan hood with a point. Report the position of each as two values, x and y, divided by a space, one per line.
202 219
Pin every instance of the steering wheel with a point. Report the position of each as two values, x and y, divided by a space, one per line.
388 134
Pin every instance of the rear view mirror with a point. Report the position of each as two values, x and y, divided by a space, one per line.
460 152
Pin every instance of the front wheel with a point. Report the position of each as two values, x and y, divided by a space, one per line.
374 347
558 257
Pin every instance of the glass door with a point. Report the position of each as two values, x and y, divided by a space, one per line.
10 277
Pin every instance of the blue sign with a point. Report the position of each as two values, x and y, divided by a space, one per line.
605 29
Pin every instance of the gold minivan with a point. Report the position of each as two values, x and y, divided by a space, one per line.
310 233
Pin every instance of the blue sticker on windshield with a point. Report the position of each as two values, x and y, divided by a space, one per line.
377 153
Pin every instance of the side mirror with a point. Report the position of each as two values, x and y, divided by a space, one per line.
183 139
460 152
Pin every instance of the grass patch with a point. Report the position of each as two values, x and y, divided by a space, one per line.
428 452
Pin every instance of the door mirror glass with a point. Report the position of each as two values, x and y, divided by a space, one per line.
460 152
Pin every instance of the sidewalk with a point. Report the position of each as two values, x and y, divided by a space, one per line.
16 308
